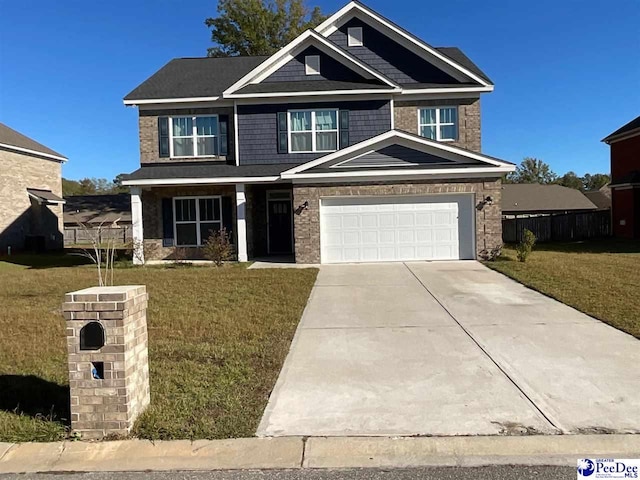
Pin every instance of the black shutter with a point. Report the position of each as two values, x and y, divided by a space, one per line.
283 140
167 222
344 128
227 216
223 121
163 136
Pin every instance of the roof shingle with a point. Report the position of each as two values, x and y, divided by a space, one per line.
12 138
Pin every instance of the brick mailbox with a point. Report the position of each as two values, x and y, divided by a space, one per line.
108 359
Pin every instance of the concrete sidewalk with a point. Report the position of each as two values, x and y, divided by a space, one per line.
315 452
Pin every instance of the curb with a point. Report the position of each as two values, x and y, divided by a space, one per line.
314 452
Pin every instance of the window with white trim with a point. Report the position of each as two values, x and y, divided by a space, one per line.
354 36
194 136
440 123
313 131
312 64
195 218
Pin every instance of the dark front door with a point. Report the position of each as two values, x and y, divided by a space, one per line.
280 228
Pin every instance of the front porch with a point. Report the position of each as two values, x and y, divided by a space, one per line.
173 222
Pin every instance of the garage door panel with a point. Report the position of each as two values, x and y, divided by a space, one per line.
372 229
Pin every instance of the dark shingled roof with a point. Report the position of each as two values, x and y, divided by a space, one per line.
8 136
194 77
599 198
206 170
46 196
629 127
209 77
97 208
536 198
311 86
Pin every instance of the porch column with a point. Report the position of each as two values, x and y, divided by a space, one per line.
241 229
136 220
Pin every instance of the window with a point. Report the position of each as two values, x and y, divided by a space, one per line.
312 64
194 136
313 131
195 218
438 123
354 36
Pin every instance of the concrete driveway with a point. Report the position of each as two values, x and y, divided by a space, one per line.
449 348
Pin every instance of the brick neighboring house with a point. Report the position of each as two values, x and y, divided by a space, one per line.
357 142
625 179
30 193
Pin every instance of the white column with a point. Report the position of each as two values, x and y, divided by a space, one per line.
241 202
136 220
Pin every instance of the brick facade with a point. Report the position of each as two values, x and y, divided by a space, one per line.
152 216
148 131
488 221
111 404
405 117
19 214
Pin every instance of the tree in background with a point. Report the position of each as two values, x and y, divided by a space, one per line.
595 181
258 27
92 186
532 170
571 180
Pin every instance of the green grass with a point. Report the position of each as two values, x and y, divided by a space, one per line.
599 278
217 341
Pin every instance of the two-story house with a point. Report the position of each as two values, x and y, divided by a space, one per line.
625 179
357 142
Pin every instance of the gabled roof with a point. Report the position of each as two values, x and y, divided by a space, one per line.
536 198
96 209
193 78
286 54
437 158
629 130
600 198
409 40
13 140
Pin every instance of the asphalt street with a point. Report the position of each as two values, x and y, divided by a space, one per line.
430 473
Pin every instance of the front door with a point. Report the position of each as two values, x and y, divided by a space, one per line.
280 222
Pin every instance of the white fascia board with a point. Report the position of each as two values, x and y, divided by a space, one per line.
447 90
179 105
387 138
199 181
305 99
621 136
33 152
169 100
331 24
313 93
478 172
286 54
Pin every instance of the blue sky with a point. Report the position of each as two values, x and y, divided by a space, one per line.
567 72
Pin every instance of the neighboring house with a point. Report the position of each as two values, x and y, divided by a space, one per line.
30 193
357 142
600 198
533 199
84 215
625 179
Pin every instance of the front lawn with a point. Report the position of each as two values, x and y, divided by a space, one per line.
600 278
217 341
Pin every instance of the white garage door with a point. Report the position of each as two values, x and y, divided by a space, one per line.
384 229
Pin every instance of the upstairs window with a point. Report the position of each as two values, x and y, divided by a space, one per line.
194 136
312 64
354 36
439 123
313 131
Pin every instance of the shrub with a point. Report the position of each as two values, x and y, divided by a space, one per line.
218 247
491 255
178 255
523 249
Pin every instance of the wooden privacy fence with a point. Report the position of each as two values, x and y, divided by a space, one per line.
559 228
78 236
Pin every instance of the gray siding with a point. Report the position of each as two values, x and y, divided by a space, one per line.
396 155
330 69
257 128
389 57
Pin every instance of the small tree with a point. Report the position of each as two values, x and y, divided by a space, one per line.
218 247
523 249
103 249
